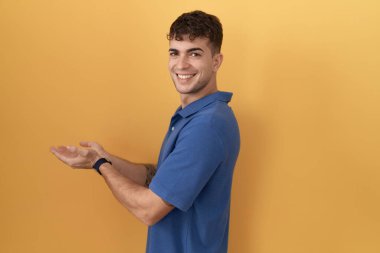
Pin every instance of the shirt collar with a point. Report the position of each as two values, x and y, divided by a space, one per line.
200 103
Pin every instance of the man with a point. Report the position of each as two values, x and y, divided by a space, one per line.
185 199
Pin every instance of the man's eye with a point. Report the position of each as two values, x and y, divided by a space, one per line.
195 54
172 53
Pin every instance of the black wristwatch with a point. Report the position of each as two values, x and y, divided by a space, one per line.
99 162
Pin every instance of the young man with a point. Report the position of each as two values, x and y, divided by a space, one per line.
185 199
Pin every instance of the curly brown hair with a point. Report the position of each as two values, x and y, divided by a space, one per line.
198 24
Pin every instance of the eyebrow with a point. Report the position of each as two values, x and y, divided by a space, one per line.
188 50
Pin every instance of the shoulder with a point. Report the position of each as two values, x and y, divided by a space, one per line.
216 120
217 117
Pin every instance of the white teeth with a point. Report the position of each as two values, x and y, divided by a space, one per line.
184 76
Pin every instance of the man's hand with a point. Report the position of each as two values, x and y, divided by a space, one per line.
79 157
95 146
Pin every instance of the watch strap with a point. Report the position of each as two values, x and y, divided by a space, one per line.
99 162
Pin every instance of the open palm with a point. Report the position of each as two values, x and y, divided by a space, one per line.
76 157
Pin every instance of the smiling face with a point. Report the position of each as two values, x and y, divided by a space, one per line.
193 68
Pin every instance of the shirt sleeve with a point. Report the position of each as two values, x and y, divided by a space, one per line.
198 152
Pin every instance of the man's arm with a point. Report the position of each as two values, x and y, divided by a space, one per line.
139 200
132 194
141 174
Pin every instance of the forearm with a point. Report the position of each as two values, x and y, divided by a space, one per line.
139 200
139 173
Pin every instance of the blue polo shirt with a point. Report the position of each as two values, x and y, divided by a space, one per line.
194 174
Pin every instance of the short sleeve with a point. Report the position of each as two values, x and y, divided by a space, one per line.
198 152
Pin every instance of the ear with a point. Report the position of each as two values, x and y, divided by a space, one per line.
217 61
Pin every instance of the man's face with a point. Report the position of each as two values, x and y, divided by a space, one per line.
192 66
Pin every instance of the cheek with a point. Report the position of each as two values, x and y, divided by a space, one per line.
170 65
207 68
202 65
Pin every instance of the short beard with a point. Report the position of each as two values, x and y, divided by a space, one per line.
196 89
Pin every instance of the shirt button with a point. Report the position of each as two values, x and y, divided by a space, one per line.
172 129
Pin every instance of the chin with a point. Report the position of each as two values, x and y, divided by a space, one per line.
183 90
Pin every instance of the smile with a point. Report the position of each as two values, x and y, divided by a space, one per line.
184 77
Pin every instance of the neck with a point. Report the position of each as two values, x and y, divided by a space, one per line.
187 99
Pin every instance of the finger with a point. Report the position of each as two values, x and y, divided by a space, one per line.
86 144
53 150
67 151
71 148
90 144
61 157
59 149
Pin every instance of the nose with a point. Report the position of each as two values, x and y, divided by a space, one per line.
182 62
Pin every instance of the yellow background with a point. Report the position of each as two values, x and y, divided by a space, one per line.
305 77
